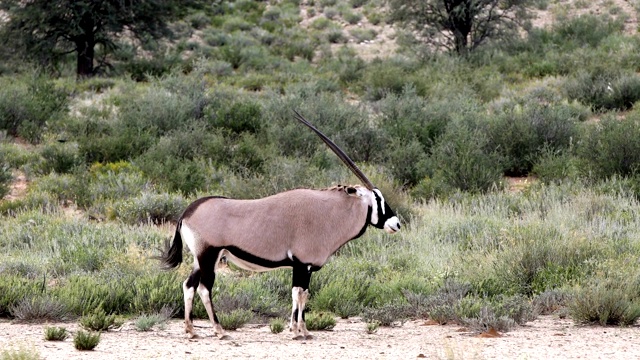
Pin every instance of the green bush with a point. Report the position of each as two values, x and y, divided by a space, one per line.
522 130
40 309
387 315
150 208
276 326
98 321
85 341
13 289
146 322
238 117
460 159
234 319
54 333
611 147
20 353
607 301
320 321
60 158
27 105
6 177
605 89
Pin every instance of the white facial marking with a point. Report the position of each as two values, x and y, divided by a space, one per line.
374 208
381 199
289 254
392 225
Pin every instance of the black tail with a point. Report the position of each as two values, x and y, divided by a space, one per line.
172 254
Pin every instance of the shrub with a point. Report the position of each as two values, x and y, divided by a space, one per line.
98 320
14 289
146 322
234 319
276 326
460 159
352 17
606 302
28 104
319 321
238 117
151 208
198 20
6 178
521 130
60 157
361 34
551 301
54 333
371 327
39 308
605 90
611 146
387 315
21 353
85 341
336 36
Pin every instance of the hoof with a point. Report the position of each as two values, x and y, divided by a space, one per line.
309 337
299 337
224 337
192 336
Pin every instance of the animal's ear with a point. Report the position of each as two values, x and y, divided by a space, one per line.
351 190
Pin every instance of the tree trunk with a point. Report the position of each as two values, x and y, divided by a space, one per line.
85 51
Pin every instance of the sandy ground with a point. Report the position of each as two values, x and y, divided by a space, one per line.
546 338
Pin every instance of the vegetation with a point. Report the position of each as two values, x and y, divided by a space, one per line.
460 26
86 341
112 161
276 326
46 32
54 333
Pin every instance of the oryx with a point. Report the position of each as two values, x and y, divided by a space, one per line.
298 229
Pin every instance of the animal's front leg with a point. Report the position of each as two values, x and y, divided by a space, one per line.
300 295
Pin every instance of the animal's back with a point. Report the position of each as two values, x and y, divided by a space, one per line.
305 223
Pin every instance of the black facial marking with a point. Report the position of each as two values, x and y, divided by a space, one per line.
366 223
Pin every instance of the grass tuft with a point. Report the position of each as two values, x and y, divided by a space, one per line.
320 321
86 340
54 333
276 326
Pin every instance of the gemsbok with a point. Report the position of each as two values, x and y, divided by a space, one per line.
298 229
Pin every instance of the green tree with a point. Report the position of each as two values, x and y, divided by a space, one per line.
459 25
44 31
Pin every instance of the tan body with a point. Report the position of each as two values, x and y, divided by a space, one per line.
309 225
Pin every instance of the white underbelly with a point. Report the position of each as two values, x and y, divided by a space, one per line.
246 265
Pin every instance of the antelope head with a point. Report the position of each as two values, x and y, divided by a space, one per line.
382 216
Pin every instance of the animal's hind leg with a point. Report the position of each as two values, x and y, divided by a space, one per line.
208 276
300 295
189 289
204 290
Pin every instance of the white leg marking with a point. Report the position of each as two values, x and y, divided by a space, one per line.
293 324
303 296
188 304
206 300
297 324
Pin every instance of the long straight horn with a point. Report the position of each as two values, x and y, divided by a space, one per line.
345 159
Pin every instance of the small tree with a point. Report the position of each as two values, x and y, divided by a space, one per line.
44 31
459 25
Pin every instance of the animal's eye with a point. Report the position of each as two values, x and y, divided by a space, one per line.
351 190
